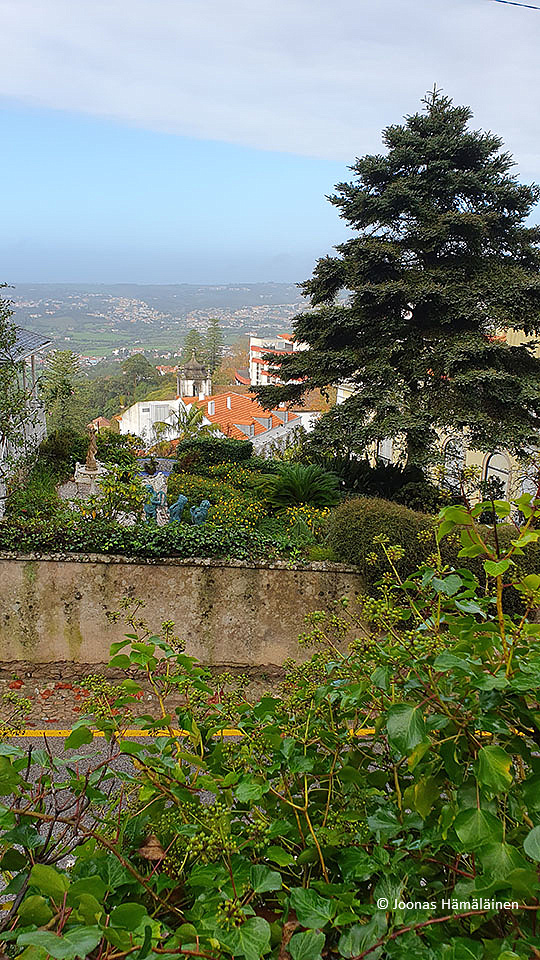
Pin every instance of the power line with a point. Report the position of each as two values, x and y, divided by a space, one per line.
514 3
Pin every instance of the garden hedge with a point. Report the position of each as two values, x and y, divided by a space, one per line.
206 450
353 527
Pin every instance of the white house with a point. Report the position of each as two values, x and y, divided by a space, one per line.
141 419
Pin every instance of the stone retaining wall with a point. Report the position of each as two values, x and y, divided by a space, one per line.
53 608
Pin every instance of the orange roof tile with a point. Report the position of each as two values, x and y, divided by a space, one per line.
244 409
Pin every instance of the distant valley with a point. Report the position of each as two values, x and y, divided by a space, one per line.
95 319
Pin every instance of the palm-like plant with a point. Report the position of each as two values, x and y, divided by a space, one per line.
189 422
296 483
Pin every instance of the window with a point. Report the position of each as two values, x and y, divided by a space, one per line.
498 470
384 451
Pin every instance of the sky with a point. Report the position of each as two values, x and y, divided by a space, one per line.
163 141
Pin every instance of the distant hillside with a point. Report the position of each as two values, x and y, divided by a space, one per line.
97 318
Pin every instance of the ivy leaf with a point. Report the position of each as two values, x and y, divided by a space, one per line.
279 855
13 860
496 569
500 859
251 940
9 778
311 909
425 793
449 586
34 909
361 937
477 827
307 946
78 942
406 727
77 737
49 881
128 916
494 769
531 844
263 879
250 790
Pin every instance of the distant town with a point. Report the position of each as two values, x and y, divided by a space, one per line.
108 321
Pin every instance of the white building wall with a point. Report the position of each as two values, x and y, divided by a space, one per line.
141 417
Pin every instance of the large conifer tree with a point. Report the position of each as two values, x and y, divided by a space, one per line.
411 310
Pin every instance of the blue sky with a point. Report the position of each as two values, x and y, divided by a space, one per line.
92 200
195 140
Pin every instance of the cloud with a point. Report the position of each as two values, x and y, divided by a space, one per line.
313 77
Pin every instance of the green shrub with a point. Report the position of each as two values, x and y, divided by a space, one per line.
197 488
298 483
201 452
382 803
61 450
352 531
117 448
353 527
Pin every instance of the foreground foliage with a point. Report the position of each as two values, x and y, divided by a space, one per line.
385 804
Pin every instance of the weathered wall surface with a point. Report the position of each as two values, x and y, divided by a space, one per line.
54 608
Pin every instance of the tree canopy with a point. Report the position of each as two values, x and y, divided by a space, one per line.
414 310
213 345
62 391
193 344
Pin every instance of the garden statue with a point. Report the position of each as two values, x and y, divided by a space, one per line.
87 474
176 509
153 508
199 514
91 463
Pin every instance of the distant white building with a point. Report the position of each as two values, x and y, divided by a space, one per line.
34 429
260 372
141 418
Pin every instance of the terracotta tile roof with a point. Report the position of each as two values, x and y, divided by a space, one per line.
99 423
243 410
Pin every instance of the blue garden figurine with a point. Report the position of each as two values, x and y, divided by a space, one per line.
151 506
199 514
176 509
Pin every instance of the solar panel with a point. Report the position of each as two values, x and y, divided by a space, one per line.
26 343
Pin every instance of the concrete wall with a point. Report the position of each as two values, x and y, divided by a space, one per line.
54 608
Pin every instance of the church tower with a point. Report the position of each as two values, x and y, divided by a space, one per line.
194 379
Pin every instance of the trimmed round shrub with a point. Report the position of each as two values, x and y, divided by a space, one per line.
353 527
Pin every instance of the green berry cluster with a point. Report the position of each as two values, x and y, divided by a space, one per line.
230 915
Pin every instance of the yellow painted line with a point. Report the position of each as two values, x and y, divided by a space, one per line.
364 732
123 734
